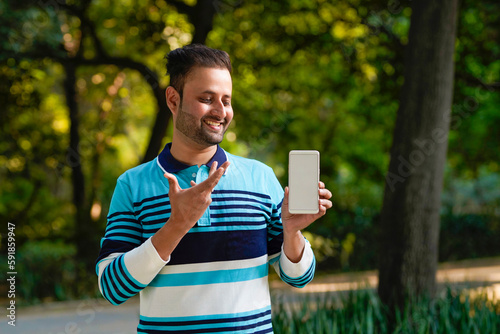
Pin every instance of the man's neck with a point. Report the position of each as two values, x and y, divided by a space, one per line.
191 154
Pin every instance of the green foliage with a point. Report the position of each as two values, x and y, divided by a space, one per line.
473 140
25 28
362 312
307 75
34 192
46 270
327 77
467 237
470 225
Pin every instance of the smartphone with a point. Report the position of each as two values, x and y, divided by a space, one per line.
303 181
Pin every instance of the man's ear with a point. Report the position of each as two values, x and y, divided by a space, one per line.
173 99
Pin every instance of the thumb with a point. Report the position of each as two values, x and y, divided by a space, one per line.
285 213
172 182
285 198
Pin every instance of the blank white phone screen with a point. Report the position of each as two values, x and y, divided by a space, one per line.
303 179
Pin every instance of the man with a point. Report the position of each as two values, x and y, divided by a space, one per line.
194 230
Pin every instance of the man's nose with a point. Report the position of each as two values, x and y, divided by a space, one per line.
219 109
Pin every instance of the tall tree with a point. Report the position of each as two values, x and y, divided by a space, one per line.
88 34
411 206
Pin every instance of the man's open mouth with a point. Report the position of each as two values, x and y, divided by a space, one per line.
213 124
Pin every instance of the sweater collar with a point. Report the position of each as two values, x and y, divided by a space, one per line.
168 163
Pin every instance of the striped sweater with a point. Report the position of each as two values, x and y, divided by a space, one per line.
216 280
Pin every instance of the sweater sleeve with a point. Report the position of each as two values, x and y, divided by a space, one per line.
125 265
122 275
295 274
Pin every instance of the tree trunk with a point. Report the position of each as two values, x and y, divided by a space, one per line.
160 125
83 233
202 19
410 211
201 15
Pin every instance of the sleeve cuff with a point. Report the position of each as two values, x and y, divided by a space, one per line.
144 262
300 268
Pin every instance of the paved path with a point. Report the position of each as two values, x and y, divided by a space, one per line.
99 317
95 316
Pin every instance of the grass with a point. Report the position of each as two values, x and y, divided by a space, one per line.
362 312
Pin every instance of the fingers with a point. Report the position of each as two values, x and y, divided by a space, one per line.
209 184
172 182
325 193
325 203
213 168
214 177
324 198
225 165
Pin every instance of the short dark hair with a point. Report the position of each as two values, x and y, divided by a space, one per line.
182 60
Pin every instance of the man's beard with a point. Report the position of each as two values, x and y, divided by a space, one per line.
192 128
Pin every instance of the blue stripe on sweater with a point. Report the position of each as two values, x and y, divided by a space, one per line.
117 283
301 281
257 320
210 277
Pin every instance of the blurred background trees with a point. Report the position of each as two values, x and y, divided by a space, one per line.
82 92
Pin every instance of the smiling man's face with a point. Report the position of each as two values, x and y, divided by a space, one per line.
205 110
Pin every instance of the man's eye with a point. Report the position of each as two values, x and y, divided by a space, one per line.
206 100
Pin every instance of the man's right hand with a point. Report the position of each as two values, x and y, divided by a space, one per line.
187 207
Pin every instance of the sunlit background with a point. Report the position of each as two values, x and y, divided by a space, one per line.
306 75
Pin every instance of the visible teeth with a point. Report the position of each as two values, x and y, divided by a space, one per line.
212 123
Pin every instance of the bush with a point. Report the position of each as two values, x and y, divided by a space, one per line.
468 236
362 312
47 270
353 243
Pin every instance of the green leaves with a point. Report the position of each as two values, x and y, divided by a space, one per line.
28 28
307 75
455 311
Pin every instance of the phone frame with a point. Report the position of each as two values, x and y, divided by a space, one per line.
296 171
